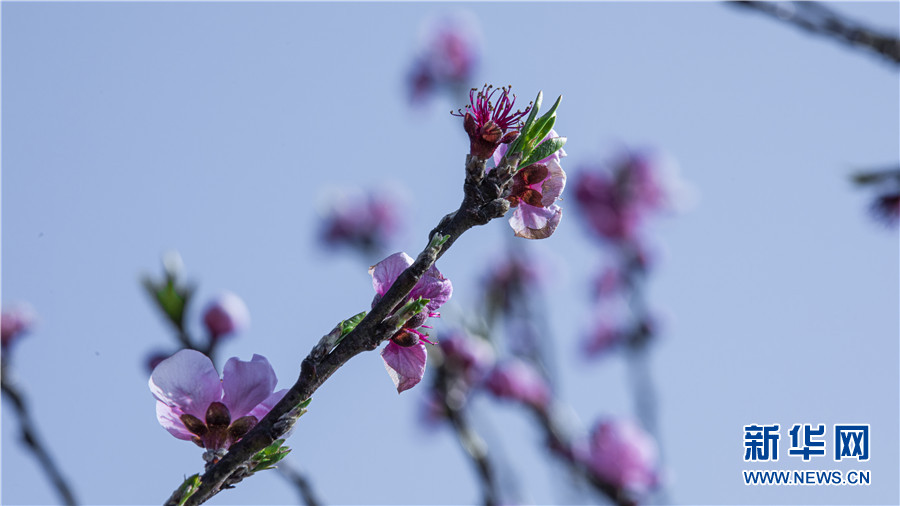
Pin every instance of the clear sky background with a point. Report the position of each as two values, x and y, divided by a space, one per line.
131 129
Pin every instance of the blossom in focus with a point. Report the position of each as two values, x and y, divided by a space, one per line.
405 354
14 322
450 51
534 193
624 455
519 381
616 200
226 314
195 405
364 221
490 123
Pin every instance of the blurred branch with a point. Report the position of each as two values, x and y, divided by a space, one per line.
815 17
300 482
482 202
32 440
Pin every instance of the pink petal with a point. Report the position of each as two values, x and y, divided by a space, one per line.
385 272
187 381
247 384
434 287
533 222
170 419
554 185
406 366
262 409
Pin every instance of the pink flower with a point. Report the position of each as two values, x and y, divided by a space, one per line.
450 54
602 338
15 321
534 193
195 405
471 357
404 356
617 201
624 455
226 314
490 124
363 221
519 381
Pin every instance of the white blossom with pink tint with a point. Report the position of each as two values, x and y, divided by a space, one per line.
519 381
195 405
624 455
226 314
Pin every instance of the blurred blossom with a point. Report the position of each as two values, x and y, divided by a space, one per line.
519 381
616 199
193 404
534 193
608 282
624 455
364 221
510 277
449 51
488 122
226 314
886 207
405 355
603 337
470 357
15 321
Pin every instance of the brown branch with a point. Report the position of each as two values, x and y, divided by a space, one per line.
483 201
32 440
815 17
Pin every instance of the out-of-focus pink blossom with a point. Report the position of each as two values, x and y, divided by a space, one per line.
195 405
886 207
624 455
616 200
534 193
488 123
15 321
509 277
471 357
404 356
450 51
519 381
608 282
602 338
226 314
367 222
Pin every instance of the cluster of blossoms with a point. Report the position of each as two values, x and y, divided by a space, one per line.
15 321
616 202
362 221
450 51
194 404
405 355
491 125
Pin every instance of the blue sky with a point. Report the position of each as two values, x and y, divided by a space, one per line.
131 129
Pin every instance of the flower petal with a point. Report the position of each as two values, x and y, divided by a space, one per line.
406 366
434 287
554 185
532 222
187 381
170 419
262 409
247 384
385 272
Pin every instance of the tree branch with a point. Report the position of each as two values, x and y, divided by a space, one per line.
816 18
32 440
483 201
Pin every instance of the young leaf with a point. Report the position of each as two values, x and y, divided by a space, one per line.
543 150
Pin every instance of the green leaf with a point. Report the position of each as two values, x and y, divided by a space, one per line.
187 489
349 324
517 145
543 150
269 456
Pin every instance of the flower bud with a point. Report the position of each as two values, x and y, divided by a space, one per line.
225 315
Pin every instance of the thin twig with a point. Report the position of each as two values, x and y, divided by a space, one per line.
32 440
